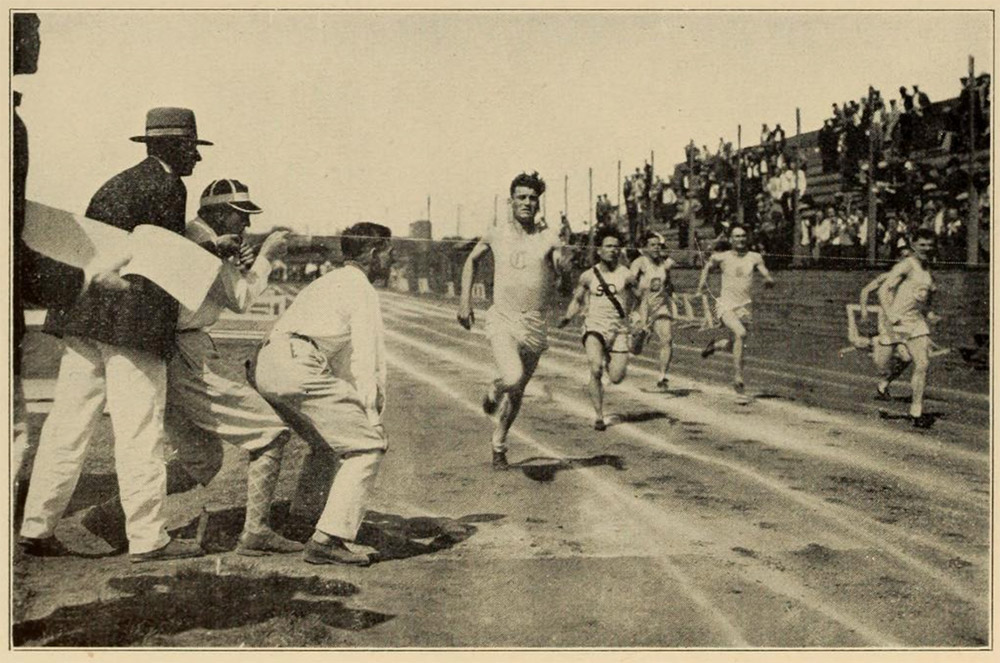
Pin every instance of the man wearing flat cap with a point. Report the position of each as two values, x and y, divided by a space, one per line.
115 349
205 407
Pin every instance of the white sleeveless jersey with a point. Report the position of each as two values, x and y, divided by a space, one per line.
653 280
912 294
601 313
737 276
523 277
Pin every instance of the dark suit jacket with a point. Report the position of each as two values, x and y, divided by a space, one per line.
37 279
145 316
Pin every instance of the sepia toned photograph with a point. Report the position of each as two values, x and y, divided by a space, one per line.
465 329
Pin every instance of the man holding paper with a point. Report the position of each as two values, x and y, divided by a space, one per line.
116 347
205 408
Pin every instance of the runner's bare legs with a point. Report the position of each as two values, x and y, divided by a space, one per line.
739 334
919 348
616 367
509 388
662 327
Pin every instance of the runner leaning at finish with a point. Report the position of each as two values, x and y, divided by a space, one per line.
525 258
905 297
890 364
652 273
733 305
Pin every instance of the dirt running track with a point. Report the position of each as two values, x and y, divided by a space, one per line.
697 520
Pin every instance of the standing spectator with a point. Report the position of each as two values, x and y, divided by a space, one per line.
779 139
116 347
907 99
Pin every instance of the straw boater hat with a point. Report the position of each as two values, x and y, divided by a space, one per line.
233 193
171 123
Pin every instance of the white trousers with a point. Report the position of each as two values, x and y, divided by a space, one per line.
133 383
326 412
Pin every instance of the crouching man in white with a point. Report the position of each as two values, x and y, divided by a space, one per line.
323 368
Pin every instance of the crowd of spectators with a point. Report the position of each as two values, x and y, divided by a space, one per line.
896 143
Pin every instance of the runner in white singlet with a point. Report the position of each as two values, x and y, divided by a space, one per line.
733 305
605 326
525 255
905 296
652 272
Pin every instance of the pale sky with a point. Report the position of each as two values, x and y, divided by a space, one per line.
337 117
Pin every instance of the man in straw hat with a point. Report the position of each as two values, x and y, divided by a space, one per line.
205 408
116 347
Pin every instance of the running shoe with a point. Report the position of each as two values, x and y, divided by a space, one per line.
709 350
739 388
663 384
500 460
923 421
600 425
882 394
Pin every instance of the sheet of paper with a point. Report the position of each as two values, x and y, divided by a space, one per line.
71 238
173 262
179 266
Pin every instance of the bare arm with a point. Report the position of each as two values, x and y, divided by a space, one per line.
468 271
703 277
866 292
762 268
576 301
887 289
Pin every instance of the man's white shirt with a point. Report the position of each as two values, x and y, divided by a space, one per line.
340 312
231 290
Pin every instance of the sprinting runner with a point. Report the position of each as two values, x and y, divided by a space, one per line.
525 258
890 364
605 289
652 272
905 296
733 305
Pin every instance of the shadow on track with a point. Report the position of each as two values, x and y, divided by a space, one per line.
545 468
392 536
149 606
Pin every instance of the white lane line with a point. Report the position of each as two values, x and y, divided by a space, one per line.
783 368
781 434
873 534
666 529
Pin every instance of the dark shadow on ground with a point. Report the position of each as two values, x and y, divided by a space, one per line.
392 536
639 417
676 393
545 468
773 396
193 599
93 489
895 416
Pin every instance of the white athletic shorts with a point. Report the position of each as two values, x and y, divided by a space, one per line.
528 329
613 337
